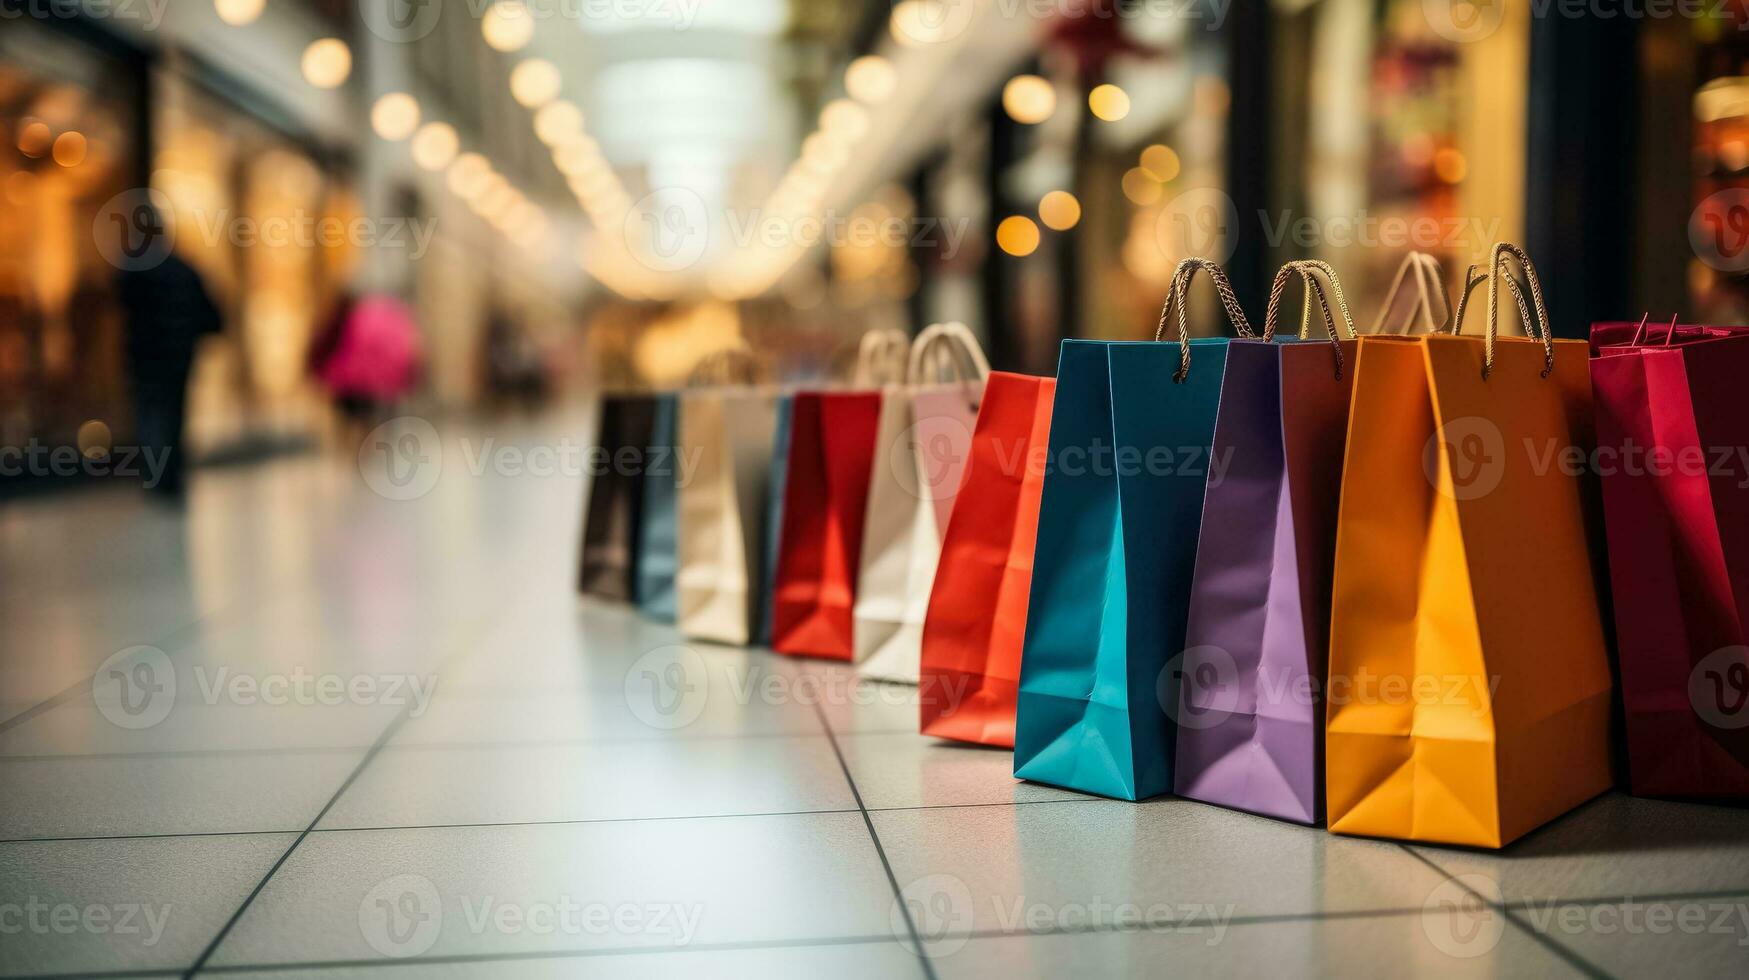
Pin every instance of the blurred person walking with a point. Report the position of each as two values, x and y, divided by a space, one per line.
368 357
168 310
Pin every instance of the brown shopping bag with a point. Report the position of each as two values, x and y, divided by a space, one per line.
924 435
725 441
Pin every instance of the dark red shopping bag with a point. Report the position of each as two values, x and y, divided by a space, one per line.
1673 453
831 453
976 624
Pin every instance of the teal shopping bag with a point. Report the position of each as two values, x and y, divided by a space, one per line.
659 531
1131 434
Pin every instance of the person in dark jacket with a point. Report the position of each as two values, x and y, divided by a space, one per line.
168 311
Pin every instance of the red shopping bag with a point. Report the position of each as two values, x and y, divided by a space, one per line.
1673 453
831 454
976 623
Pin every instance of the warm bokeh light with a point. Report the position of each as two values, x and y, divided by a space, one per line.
239 12
1029 99
395 116
1109 102
327 63
469 174
508 26
94 439
871 79
1017 235
70 149
435 145
916 23
34 139
1142 187
1059 210
535 82
558 122
1162 162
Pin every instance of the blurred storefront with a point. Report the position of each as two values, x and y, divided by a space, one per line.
254 208
70 134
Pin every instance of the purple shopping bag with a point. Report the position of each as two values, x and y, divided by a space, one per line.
1250 710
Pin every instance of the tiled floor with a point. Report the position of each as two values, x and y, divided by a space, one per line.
385 740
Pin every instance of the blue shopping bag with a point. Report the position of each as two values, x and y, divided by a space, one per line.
1131 435
773 521
659 528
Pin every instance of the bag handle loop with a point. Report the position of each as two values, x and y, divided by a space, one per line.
881 358
964 352
1181 278
1537 328
1429 280
1309 271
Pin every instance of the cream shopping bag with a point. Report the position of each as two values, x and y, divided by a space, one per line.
724 463
920 453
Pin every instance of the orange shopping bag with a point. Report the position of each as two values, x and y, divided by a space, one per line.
1469 686
976 622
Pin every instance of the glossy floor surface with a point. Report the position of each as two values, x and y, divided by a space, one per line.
307 729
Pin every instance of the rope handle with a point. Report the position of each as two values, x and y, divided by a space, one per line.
1176 297
1537 328
965 354
1429 279
1309 271
881 358
1640 332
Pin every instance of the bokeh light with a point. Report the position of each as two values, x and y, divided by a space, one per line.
327 63
1029 99
1059 210
237 13
1109 102
535 82
435 145
1017 235
395 116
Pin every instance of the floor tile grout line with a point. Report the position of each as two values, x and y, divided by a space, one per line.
249 899
917 947
1560 950
479 628
532 823
804 943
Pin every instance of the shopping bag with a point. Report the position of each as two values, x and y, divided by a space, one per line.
1250 719
976 620
1131 431
773 518
725 436
1469 686
831 456
1673 454
658 530
608 565
920 449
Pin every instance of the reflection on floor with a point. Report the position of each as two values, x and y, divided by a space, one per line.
381 737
